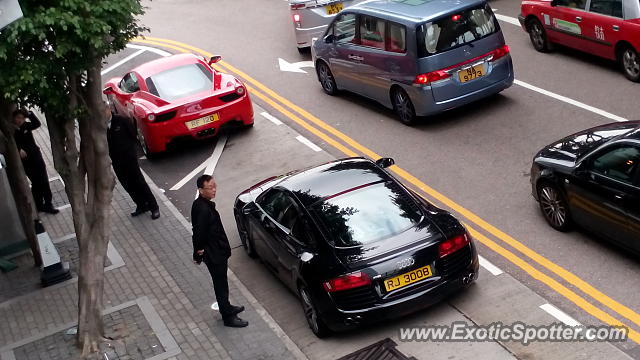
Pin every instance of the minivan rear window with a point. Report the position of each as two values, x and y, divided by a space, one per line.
455 29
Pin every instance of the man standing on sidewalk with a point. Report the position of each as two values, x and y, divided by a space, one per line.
121 137
32 160
210 244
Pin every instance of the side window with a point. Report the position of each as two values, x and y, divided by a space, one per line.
396 41
129 83
372 32
575 4
619 164
607 7
344 28
274 203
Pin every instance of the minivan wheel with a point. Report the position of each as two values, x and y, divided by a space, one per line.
403 107
310 313
538 36
630 62
554 206
326 78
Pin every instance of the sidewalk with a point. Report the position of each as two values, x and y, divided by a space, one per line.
157 302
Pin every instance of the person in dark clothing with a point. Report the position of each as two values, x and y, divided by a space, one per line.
32 160
121 137
210 244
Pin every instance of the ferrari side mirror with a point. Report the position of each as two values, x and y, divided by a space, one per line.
215 59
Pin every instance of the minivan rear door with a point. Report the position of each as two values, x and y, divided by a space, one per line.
462 43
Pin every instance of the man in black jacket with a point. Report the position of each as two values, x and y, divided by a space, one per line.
210 244
32 160
121 136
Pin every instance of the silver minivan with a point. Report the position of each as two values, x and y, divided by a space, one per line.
418 57
310 18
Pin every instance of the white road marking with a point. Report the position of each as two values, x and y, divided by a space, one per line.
489 266
508 19
204 166
217 152
560 315
150 49
570 101
308 142
271 118
128 58
294 67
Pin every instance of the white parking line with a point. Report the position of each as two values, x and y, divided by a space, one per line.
570 101
150 49
308 142
271 118
508 19
110 68
489 266
560 315
208 165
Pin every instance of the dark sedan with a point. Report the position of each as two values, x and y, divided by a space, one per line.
592 178
354 243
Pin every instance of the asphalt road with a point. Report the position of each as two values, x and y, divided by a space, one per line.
479 156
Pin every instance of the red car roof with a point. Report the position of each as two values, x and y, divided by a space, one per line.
165 63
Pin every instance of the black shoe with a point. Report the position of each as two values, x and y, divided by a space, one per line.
235 310
49 209
235 322
155 214
139 211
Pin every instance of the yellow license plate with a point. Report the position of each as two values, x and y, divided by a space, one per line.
334 8
471 73
408 278
202 121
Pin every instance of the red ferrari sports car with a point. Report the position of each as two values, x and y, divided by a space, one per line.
179 96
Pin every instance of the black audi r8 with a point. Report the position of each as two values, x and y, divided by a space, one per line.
592 178
354 243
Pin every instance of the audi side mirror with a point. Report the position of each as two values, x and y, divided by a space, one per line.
385 162
329 39
215 59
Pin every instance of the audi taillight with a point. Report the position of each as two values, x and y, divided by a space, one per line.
349 281
500 52
428 78
454 244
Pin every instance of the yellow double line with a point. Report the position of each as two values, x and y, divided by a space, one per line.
340 141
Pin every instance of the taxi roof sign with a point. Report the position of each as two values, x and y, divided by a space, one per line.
10 11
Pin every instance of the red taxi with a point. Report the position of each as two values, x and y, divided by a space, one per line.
179 96
606 28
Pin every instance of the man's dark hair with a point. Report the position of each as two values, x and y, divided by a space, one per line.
203 179
22 112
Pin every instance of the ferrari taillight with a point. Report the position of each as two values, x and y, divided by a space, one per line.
240 90
151 117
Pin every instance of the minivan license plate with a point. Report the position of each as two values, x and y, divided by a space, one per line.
334 8
408 278
471 73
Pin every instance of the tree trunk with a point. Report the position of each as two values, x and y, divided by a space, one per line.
18 180
89 186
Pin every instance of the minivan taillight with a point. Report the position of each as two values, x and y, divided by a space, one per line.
349 281
428 78
500 52
454 244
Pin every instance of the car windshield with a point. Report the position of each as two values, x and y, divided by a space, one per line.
180 82
455 29
368 214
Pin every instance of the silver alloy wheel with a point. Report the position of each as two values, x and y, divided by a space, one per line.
143 143
309 311
631 63
553 206
403 106
326 78
537 35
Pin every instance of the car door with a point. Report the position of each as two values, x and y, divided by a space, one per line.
564 23
633 210
600 193
342 59
264 230
602 25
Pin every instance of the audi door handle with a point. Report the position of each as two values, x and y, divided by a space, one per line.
616 28
356 57
618 196
578 18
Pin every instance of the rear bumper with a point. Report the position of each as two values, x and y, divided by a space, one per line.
304 36
158 135
340 320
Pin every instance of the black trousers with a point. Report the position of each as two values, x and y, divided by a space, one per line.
36 171
130 176
218 273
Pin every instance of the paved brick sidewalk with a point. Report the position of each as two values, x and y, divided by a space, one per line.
156 274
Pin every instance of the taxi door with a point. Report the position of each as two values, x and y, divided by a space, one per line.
603 24
564 23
